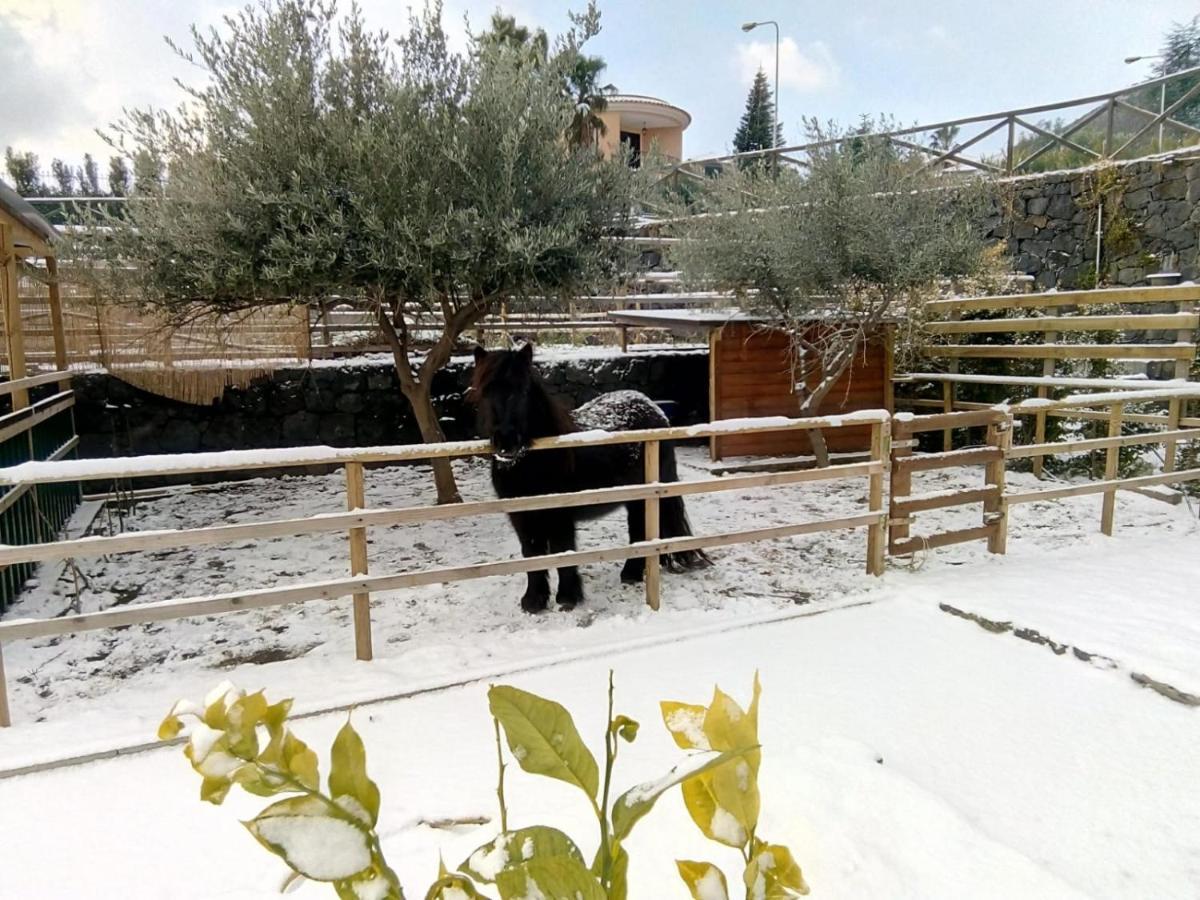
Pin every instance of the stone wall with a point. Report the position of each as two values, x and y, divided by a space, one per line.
352 405
1049 222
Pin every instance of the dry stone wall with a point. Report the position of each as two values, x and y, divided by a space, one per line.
1049 222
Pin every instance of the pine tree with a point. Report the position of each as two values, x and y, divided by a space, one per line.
89 177
1181 50
754 131
118 176
23 173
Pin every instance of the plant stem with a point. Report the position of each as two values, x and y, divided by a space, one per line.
610 757
500 782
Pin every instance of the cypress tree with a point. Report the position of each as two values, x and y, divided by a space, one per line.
754 131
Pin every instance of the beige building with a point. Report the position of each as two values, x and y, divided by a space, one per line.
646 124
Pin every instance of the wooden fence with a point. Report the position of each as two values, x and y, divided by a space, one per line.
358 519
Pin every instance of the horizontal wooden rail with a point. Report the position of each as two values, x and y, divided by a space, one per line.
1126 440
907 424
944 499
167 610
968 456
7 387
123 467
17 492
1179 392
323 524
31 416
1165 321
1176 293
1099 487
1073 413
1063 351
944 539
1125 384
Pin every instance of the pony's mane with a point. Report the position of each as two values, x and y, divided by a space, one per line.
499 363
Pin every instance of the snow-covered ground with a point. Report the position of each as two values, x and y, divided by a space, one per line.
1006 770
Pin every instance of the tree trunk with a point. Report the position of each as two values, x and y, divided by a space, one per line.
418 395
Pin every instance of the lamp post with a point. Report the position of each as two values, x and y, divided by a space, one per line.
1162 93
750 26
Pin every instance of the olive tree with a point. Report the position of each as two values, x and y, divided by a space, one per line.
832 251
321 158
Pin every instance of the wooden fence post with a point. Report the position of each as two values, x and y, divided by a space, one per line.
1112 461
56 322
14 330
5 714
901 482
1174 414
356 499
877 533
1039 437
948 407
999 435
653 563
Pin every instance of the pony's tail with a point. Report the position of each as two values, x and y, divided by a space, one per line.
674 518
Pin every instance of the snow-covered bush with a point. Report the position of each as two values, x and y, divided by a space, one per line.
329 835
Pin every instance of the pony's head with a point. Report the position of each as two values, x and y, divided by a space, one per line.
502 389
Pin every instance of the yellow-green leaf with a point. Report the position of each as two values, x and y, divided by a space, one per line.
301 761
460 885
626 727
552 878
543 739
214 790
717 823
773 874
515 848
685 721
704 880
348 772
618 880
639 800
314 841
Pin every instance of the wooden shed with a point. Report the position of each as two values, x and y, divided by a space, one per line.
750 374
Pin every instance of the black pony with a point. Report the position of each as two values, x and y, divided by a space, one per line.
514 409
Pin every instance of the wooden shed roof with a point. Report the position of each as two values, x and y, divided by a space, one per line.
31 230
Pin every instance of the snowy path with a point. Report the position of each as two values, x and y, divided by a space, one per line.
908 754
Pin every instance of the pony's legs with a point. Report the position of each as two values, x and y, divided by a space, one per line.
532 535
570 585
635 569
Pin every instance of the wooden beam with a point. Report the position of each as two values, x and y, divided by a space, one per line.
653 573
1103 384
248 460
919 424
1100 487
133 542
968 456
944 500
14 330
1125 440
1111 463
943 539
1063 351
877 535
1174 293
9 387
1068 323
356 499
189 607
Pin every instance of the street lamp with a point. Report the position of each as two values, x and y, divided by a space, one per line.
1162 93
750 26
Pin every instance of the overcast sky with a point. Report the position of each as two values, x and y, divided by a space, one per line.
68 67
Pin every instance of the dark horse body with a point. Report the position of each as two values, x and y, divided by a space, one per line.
514 409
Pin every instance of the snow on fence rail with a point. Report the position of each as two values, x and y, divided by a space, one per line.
355 522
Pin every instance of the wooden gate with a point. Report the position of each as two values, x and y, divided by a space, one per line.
904 506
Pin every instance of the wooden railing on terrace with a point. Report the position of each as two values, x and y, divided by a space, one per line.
358 519
1111 113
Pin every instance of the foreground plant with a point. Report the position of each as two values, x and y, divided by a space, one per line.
330 835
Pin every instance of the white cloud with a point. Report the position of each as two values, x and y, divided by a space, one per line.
806 70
